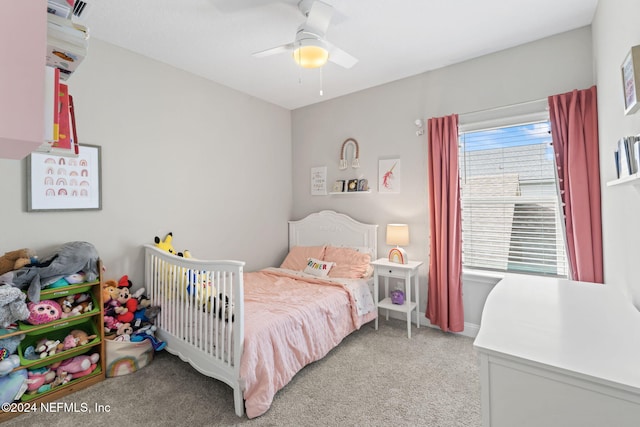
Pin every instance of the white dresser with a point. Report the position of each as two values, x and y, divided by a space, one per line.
555 352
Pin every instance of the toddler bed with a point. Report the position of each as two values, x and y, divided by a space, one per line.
256 330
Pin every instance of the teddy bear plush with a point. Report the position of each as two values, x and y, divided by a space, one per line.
17 259
12 305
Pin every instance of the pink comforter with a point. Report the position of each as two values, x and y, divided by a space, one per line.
289 323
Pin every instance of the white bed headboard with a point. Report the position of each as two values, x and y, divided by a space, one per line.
332 228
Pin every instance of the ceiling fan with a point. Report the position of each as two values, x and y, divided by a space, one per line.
310 48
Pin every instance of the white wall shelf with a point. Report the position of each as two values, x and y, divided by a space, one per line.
631 179
333 193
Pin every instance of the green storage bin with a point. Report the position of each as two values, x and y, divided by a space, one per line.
28 397
62 323
58 332
65 290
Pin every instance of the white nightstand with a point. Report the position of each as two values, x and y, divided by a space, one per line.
382 267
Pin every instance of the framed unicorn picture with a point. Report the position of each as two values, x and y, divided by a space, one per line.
60 183
389 176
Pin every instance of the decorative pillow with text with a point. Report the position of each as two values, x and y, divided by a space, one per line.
317 267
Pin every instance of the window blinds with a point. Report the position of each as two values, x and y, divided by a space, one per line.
510 205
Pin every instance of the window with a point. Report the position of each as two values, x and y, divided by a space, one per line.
511 216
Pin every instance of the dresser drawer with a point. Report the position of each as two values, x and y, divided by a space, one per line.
386 271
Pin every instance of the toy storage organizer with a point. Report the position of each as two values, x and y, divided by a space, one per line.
125 357
91 322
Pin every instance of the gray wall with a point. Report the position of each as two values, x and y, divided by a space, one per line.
180 154
614 33
382 119
223 170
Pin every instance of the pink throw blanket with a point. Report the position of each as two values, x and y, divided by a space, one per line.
290 321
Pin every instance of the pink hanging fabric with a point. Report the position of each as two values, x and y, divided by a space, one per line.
444 302
574 127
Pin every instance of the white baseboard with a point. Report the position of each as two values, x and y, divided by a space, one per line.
470 329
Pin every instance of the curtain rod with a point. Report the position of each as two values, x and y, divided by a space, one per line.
503 107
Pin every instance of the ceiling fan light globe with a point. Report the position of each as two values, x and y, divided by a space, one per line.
310 56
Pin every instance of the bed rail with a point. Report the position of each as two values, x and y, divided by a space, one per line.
202 313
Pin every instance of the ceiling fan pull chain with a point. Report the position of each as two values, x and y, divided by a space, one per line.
321 92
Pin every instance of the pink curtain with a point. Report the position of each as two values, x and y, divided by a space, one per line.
574 127
444 302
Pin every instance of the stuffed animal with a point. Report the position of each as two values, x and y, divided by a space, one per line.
225 309
9 364
17 259
127 305
8 359
43 312
72 279
38 377
45 347
12 306
148 333
8 347
115 328
145 316
110 293
68 259
60 379
143 300
81 337
73 305
77 366
12 386
75 338
68 343
165 244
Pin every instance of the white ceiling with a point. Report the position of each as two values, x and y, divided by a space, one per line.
392 39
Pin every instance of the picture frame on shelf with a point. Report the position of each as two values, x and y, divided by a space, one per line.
363 185
352 185
338 186
61 183
630 70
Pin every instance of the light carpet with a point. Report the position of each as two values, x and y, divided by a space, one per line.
373 378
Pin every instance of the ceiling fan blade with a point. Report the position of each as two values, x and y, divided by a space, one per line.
274 50
319 17
340 57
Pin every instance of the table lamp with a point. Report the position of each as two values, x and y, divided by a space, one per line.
398 234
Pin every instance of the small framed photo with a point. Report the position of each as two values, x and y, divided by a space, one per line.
352 185
363 185
338 186
319 181
631 80
389 176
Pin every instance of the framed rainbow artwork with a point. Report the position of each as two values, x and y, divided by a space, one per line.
398 255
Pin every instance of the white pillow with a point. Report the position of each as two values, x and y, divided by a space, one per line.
317 267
